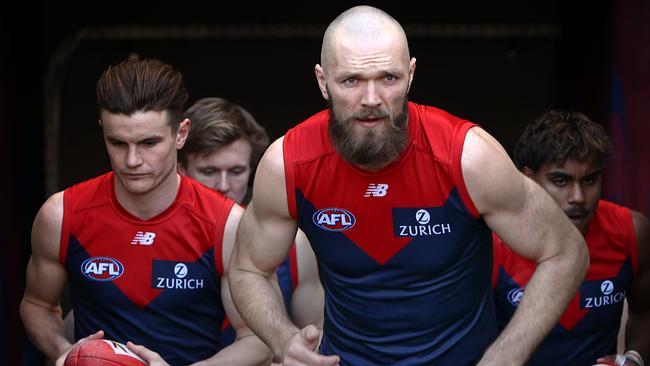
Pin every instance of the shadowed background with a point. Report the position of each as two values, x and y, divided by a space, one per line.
496 63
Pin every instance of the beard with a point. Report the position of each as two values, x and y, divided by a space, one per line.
373 147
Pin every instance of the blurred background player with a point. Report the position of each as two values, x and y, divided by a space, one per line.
222 151
565 153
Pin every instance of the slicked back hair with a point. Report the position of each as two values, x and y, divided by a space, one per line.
557 136
142 85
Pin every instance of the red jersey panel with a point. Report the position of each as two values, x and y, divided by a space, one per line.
155 282
589 326
404 258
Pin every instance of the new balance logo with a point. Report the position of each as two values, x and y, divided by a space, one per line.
143 238
376 190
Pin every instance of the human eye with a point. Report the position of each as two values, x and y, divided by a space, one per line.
149 142
350 82
207 171
559 181
390 78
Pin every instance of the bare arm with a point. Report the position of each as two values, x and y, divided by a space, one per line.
638 337
40 309
524 216
248 349
307 300
264 237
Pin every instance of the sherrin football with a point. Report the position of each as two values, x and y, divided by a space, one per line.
102 352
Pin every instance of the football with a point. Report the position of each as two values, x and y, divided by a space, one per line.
102 352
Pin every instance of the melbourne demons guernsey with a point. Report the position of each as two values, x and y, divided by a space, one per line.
403 255
589 327
155 282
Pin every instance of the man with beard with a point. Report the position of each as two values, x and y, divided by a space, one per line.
565 153
397 200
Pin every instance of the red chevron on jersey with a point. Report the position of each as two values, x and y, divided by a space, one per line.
589 325
155 282
401 251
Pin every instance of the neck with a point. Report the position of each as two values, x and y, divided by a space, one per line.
150 204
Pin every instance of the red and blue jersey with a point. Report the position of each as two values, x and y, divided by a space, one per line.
404 257
589 326
155 282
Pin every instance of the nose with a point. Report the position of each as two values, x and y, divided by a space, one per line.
371 95
577 195
133 158
222 184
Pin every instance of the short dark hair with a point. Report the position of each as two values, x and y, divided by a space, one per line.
217 122
142 85
557 136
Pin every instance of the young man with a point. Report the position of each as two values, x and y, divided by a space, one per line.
397 200
144 249
222 151
565 153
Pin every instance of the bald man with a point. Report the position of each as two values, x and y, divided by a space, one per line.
398 201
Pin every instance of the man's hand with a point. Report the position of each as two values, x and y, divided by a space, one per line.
152 358
301 350
98 335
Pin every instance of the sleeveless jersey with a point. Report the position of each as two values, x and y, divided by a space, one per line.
589 327
155 282
403 254
287 274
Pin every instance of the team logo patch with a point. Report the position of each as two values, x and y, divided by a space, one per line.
334 219
515 295
102 268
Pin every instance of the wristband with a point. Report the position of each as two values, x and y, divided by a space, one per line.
635 356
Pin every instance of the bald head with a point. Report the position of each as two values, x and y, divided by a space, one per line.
363 25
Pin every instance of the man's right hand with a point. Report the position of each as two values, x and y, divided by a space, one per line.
302 350
97 335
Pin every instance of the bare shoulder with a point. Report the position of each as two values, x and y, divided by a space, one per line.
273 159
46 230
489 174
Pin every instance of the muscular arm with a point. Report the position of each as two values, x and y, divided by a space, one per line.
524 216
307 299
248 349
40 309
638 296
264 237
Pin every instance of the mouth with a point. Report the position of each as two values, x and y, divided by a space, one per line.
133 176
369 121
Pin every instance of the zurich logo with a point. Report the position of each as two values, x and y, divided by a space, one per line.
607 287
102 268
515 295
334 219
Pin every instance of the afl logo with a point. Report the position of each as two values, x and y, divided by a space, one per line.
334 219
515 295
102 268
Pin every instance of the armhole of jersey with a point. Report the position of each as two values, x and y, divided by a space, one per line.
293 264
634 252
65 226
455 154
219 230
289 175
495 264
